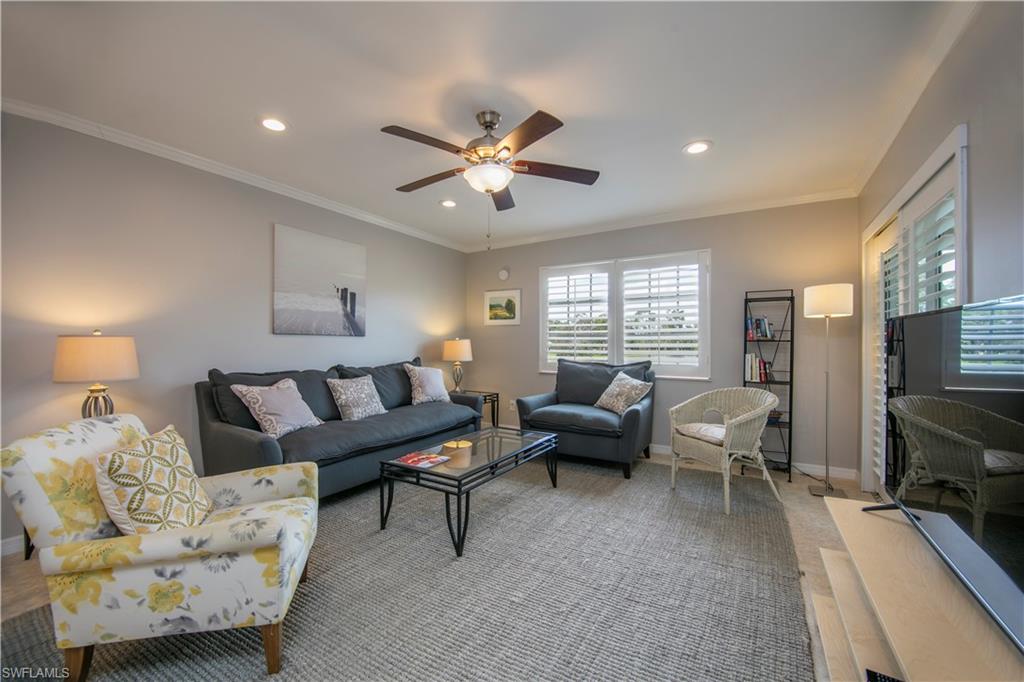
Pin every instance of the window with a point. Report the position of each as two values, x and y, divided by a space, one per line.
992 338
629 310
576 314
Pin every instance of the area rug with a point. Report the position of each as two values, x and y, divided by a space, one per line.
600 579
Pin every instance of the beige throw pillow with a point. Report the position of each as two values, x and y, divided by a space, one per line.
356 398
623 392
278 409
427 385
152 485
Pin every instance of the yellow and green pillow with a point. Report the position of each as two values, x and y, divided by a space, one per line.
152 486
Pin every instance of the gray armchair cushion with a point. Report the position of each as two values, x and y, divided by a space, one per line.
577 418
312 384
336 440
584 382
392 381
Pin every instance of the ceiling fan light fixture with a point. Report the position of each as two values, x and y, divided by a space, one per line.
488 177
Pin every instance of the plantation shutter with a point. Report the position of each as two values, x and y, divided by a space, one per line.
929 239
992 339
661 314
576 323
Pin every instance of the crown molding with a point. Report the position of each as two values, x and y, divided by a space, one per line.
142 144
707 211
952 29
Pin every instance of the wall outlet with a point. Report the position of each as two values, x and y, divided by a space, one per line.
512 406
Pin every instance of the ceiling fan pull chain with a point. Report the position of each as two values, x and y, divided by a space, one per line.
487 207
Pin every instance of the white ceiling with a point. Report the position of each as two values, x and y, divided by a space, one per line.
800 99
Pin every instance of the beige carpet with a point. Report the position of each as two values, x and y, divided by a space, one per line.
602 578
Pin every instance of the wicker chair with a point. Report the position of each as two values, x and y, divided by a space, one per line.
977 452
745 413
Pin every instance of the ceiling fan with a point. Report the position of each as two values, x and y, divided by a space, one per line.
492 162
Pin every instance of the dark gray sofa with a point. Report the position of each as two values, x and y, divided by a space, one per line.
348 452
583 429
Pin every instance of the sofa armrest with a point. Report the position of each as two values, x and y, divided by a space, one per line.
527 404
179 544
227 448
470 400
264 484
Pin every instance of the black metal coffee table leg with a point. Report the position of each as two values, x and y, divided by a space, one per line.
551 460
385 510
458 531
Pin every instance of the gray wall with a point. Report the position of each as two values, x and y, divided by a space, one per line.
98 235
981 83
786 247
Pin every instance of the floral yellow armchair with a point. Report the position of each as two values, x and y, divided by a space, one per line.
238 569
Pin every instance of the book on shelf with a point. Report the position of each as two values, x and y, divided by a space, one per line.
423 460
758 369
760 329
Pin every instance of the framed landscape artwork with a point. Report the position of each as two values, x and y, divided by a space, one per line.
503 307
319 284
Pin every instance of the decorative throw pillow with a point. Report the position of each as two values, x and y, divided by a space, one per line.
278 409
623 392
152 485
427 385
356 398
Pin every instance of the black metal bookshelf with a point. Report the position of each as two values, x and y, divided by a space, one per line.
777 306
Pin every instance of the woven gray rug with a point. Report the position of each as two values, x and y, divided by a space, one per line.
601 579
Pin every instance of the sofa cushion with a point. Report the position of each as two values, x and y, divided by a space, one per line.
1003 462
392 381
577 418
312 385
709 433
278 409
337 440
623 392
584 382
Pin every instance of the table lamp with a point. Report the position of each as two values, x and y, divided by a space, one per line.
828 301
457 351
95 358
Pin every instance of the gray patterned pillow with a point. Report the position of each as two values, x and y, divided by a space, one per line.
427 385
623 392
357 398
278 409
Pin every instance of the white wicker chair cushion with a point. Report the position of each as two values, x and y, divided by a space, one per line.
1004 462
709 433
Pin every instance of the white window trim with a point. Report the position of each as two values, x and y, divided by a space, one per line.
953 147
615 268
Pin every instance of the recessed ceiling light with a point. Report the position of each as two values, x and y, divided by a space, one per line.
274 124
697 147
447 203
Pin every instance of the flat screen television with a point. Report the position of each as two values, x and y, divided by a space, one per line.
955 444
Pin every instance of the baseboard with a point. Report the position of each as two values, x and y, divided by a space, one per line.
12 545
834 472
660 449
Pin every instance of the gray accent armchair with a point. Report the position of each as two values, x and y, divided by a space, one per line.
583 429
978 453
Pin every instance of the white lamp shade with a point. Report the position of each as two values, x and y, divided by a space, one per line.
457 350
828 300
488 176
95 358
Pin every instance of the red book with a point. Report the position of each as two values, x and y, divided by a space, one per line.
422 460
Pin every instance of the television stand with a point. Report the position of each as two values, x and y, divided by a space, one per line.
899 610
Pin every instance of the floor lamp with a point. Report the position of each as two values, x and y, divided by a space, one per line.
828 301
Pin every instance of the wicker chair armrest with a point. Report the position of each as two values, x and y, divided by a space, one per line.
743 432
689 411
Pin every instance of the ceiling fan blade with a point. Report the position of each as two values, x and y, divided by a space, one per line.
424 139
430 180
529 131
551 170
503 199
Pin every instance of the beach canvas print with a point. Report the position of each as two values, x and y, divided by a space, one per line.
319 284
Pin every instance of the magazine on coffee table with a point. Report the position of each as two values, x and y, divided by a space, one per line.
422 460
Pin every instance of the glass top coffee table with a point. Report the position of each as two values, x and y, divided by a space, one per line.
474 459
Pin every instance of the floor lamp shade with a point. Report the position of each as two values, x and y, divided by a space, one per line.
457 351
95 358
828 300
